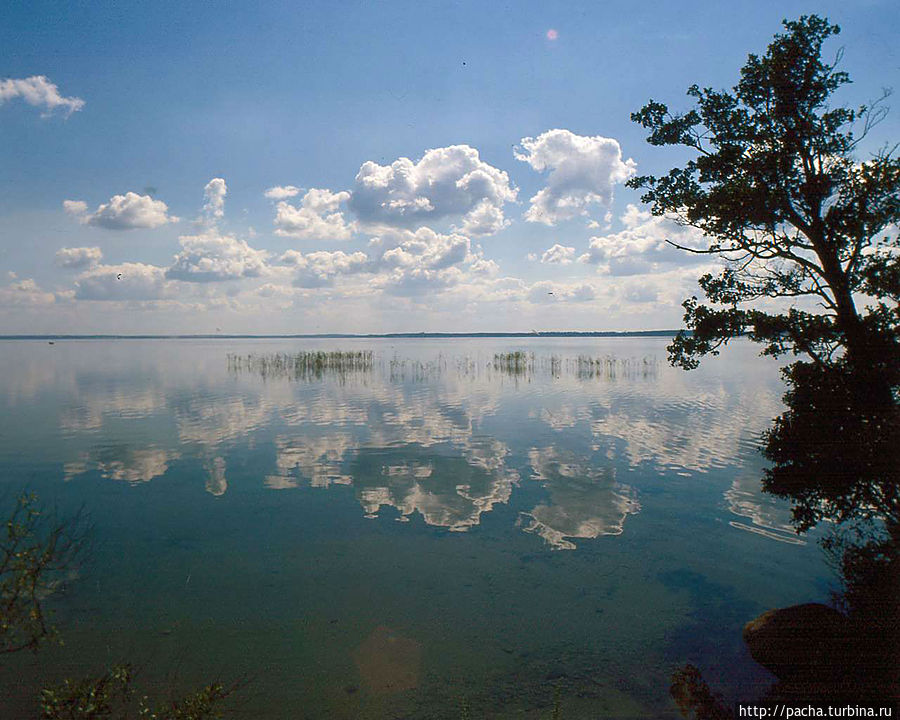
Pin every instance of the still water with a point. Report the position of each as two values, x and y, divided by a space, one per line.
430 529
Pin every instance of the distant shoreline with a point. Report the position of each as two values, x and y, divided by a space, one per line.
350 336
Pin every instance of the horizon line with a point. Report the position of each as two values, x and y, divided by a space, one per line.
398 335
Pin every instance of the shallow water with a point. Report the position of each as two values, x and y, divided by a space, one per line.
434 529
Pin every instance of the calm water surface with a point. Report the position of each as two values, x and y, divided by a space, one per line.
397 540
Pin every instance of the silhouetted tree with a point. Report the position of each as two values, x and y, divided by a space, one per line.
776 189
792 214
834 451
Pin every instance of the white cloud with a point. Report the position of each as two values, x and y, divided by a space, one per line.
641 247
282 192
559 255
318 217
214 201
75 207
123 212
24 293
545 292
583 172
37 90
426 249
419 281
319 269
128 281
446 183
424 261
486 268
211 257
485 218
272 290
78 258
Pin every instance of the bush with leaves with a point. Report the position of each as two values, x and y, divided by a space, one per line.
112 695
39 551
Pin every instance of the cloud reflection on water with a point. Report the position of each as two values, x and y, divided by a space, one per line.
585 501
445 447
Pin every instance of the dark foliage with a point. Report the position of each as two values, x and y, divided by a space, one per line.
112 696
38 553
694 697
782 200
791 213
834 452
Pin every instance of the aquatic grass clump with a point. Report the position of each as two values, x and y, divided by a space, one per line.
516 364
402 370
519 364
610 367
304 365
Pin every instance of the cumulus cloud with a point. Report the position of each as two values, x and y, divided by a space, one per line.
318 216
24 293
451 183
486 268
641 246
75 207
559 255
128 281
122 212
485 218
426 249
282 192
319 269
37 90
424 261
211 257
214 201
583 170
78 258
419 281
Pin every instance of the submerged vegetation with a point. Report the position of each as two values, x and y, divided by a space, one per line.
39 552
113 695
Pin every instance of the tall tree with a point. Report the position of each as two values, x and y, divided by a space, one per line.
792 214
776 188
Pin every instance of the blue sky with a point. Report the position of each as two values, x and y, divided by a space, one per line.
199 110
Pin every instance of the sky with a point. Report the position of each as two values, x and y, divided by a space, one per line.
363 167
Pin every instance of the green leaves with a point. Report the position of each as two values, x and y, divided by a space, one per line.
37 552
112 695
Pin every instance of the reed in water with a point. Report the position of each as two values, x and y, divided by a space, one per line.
304 365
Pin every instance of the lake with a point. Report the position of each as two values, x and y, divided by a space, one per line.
436 525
